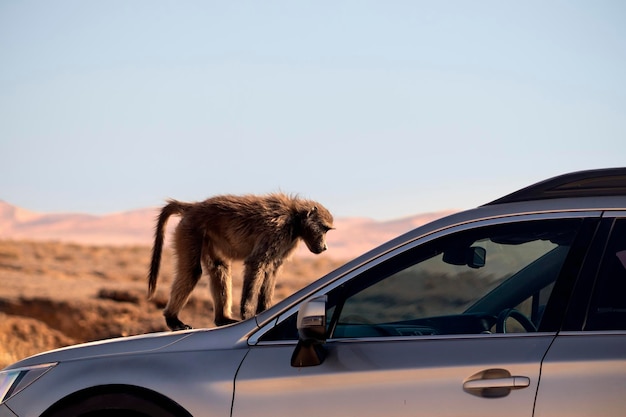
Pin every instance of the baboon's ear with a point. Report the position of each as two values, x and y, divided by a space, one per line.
313 210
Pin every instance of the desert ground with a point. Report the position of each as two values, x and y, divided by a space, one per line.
57 294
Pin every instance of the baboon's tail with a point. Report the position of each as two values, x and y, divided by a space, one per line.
172 207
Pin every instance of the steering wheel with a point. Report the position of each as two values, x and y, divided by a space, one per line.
518 316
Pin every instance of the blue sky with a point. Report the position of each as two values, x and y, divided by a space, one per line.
376 109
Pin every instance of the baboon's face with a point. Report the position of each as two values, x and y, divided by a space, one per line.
317 222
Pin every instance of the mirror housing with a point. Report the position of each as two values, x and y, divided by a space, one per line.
473 256
312 333
478 257
312 320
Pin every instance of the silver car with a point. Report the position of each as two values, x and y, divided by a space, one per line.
515 308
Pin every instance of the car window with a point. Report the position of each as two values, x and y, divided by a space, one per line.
458 284
608 304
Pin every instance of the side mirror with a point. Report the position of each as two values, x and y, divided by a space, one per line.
312 333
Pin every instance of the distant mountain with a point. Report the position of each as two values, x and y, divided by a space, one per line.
352 237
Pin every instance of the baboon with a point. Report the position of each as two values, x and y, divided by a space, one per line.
259 230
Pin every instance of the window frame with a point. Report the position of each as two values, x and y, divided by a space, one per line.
475 317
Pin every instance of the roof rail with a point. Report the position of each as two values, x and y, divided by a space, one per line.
591 183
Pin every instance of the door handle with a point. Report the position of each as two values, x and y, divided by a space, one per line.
494 383
514 382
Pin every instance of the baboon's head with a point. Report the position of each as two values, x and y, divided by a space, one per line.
315 222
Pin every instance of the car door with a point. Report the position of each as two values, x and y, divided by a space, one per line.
414 332
584 372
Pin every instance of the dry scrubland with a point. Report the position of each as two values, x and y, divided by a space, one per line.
56 294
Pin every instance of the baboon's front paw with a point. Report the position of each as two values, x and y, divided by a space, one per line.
224 321
175 324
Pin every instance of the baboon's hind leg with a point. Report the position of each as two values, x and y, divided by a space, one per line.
188 272
221 290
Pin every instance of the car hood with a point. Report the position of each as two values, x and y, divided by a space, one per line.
226 337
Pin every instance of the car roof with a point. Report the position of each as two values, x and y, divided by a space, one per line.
589 183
